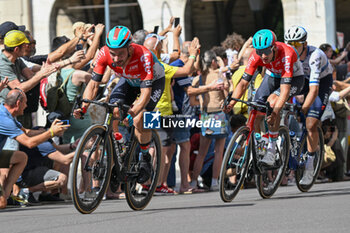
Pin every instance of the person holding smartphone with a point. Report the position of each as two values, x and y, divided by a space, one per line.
176 30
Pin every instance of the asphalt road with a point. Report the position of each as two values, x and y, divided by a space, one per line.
326 208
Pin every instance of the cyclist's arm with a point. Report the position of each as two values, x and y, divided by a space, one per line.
284 95
241 88
90 92
315 64
141 102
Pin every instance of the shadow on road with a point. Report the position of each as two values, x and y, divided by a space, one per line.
316 193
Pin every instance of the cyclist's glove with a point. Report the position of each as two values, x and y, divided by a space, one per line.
130 120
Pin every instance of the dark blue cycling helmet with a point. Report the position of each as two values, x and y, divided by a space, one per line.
263 39
118 37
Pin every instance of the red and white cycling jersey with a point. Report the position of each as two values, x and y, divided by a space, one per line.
142 69
281 67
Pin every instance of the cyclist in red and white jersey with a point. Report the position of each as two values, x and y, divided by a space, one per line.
284 78
141 73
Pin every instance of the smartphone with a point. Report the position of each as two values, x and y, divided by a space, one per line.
65 122
79 47
93 30
176 22
155 30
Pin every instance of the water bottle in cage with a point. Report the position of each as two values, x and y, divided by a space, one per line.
120 143
294 143
258 143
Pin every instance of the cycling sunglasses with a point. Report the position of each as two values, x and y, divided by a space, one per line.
295 43
265 51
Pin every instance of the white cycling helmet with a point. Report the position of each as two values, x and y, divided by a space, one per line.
295 33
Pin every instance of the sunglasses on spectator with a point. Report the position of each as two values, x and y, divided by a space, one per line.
295 43
19 96
265 51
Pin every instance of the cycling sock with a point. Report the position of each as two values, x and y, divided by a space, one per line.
273 136
145 147
311 153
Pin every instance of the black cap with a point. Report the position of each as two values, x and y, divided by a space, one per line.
58 41
9 26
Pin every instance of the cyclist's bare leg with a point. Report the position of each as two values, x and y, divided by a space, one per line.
312 134
143 135
257 123
116 122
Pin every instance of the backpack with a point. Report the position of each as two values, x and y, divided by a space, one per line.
52 95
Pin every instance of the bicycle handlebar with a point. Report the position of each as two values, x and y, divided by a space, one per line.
292 107
123 108
261 108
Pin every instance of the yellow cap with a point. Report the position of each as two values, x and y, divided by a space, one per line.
15 38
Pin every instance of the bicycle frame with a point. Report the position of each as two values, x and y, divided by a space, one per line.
250 124
290 111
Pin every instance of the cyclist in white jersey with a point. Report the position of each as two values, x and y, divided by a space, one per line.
318 86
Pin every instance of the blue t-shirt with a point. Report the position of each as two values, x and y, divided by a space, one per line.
178 88
9 126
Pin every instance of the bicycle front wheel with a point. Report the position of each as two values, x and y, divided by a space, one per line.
235 164
268 182
139 195
317 162
91 169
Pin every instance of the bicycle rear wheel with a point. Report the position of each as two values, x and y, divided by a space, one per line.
91 169
139 195
268 182
235 164
317 163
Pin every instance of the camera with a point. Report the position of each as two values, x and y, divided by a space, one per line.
176 22
65 122
79 47
155 30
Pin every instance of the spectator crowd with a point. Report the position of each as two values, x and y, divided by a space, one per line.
35 159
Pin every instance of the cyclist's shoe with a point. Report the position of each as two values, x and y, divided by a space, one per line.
145 168
308 172
28 197
269 157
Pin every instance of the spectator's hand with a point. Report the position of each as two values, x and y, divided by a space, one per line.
344 53
99 29
214 86
4 83
77 56
171 22
78 113
234 65
88 32
194 47
177 31
79 31
57 127
220 61
47 68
